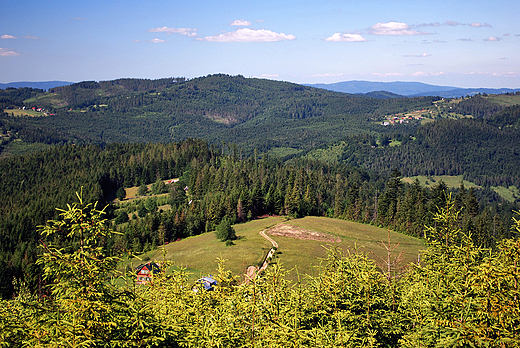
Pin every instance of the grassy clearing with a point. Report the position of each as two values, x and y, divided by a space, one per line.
283 151
504 99
510 193
330 154
199 254
131 192
18 113
364 238
452 181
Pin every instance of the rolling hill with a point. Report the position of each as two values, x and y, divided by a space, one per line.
296 252
45 85
253 113
285 119
409 89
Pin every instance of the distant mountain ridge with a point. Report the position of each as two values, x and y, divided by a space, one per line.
407 89
45 85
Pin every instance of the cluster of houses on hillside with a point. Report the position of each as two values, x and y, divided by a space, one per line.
37 109
398 119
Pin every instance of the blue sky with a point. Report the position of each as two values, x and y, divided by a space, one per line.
452 43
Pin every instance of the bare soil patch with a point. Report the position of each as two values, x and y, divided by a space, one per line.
285 230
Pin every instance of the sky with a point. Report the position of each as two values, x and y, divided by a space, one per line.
444 42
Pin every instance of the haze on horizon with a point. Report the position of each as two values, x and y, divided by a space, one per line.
460 44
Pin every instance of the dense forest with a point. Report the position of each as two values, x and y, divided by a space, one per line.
486 151
252 113
214 183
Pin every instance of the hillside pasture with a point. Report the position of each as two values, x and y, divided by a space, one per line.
20 112
504 99
452 181
131 192
300 256
304 254
510 193
199 254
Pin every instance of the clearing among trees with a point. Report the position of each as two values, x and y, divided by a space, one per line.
286 230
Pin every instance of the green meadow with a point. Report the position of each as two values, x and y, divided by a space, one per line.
510 193
199 254
452 181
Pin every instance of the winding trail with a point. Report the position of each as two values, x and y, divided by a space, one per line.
262 233
252 271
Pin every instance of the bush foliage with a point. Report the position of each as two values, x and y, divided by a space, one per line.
460 295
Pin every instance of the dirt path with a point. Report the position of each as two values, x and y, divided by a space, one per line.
262 233
289 231
252 271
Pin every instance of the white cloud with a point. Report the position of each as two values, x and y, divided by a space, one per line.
249 35
452 23
417 55
394 29
157 40
182 31
480 25
240 22
5 52
422 73
500 74
31 37
434 24
387 74
269 75
337 37
325 75
7 37
492 38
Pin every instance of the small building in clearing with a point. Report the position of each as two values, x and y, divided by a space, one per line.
145 271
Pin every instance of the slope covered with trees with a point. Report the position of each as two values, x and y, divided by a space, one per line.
486 151
213 186
249 112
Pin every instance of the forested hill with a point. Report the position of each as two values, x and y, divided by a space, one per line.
212 185
486 151
475 136
249 112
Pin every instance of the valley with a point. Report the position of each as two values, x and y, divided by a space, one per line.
362 224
